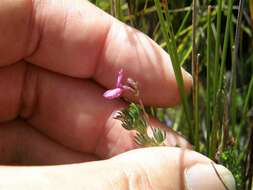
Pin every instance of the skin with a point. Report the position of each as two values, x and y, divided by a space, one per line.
57 58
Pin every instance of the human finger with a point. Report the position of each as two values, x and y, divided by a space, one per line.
71 111
173 168
159 168
21 144
79 40
74 113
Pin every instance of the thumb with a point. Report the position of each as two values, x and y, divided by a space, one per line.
158 168
173 169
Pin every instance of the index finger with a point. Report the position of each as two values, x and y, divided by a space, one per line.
79 40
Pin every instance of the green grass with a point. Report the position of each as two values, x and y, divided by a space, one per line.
213 42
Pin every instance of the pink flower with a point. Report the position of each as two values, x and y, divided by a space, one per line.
118 90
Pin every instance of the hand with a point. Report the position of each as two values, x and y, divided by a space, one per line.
57 58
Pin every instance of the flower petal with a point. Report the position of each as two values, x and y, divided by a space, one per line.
119 79
113 93
168 121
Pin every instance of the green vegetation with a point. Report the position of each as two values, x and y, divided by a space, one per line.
213 40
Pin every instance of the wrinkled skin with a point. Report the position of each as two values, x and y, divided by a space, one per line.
57 58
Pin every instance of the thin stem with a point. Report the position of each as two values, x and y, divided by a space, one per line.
113 8
245 105
225 125
178 119
216 123
194 74
232 90
208 94
249 160
225 44
194 54
217 47
118 9
145 114
175 62
184 21
196 105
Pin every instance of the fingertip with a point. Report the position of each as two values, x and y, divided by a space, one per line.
214 177
163 166
142 60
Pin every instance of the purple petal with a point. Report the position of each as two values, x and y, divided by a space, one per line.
113 93
119 79
168 121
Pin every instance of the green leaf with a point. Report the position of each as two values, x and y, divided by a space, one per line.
159 135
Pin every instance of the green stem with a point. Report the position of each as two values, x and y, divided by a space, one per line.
225 44
234 67
245 105
118 9
196 105
217 47
187 15
208 94
175 61
195 76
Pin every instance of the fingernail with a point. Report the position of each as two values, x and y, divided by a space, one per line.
208 177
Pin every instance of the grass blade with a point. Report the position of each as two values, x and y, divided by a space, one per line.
217 47
175 61
234 66
196 106
208 84
246 103
225 44
195 76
